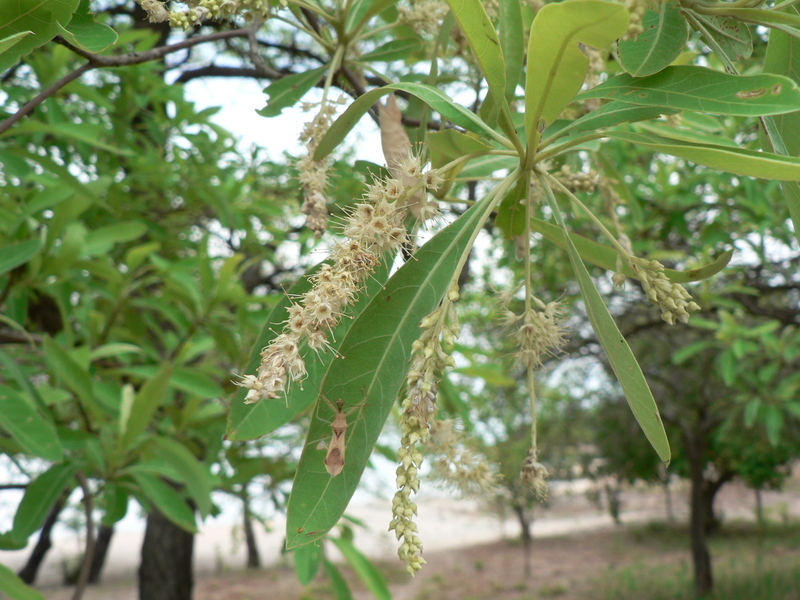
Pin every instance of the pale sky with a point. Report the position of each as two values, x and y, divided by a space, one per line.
240 98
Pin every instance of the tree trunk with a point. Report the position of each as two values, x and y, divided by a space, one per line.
29 572
101 546
253 557
668 498
165 572
759 508
614 497
698 522
527 538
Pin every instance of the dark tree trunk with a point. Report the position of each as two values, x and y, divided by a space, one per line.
698 521
165 572
29 572
668 500
527 538
101 546
253 557
759 508
614 497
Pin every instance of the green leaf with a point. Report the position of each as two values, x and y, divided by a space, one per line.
366 570
623 362
450 144
79 132
511 212
287 91
338 582
13 40
39 16
86 33
704 90
773 421
113 350
393 50
75 377
143 407
751 411
783 57
686 352
18 253
14 588
612 114
484 166
661 42
363 10
194 473
730 37
606 257
166 500
185 379
686 134
306 562
113 501
40 496
483 41
371 372
35 434
100 241
250 421
723 158
556 64
788 22
436 99
512 43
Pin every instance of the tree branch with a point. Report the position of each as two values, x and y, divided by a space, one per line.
83 578
97 61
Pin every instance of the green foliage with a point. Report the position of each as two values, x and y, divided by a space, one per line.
133 231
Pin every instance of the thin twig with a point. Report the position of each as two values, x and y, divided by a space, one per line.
97 61
88 557
44 95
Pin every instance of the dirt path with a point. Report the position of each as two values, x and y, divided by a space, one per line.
467 557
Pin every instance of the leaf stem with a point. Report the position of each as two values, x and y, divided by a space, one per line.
619 247
555 150
530 379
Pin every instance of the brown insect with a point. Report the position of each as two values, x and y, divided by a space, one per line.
334 459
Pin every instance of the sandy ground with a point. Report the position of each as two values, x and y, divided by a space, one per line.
445 524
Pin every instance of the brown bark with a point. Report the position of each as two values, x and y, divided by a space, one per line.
253 557
101 546
698 521
165 572
525 532
29 572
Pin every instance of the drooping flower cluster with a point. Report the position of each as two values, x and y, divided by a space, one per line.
373 228
456 464
313 173
428 359
406 165
539 331
425 16
672 298
534 474
578 181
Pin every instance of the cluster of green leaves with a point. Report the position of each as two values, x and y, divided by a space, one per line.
551 70
124 314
